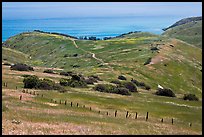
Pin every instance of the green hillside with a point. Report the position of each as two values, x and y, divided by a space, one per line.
153 59
190 32
118 56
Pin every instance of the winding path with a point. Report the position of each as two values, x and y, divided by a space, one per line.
93 54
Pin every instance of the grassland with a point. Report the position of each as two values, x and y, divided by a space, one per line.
176 65
190 32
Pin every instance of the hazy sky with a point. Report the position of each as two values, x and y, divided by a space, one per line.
39 10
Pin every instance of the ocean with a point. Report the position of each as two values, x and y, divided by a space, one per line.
88 26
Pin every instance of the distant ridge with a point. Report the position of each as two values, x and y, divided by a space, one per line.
184 21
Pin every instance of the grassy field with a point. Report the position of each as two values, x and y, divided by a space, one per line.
176 65
190 32
38 115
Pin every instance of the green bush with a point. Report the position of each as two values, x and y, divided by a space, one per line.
121 77
190 97
122 91
95 77
68 73
130 86
147 87
21 67
116 82
75 81
45 84
111 89
91 80
137 83
49 71
64 82
165 92
30 81
148 61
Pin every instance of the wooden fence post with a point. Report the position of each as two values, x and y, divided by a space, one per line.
190 124
90 108
99 111
147 116
136 115
65 103
127 114
60 102
77 104
115 113
172 121
162 120
71 104
107 113
20 97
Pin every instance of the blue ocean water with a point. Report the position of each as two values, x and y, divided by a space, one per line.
88 26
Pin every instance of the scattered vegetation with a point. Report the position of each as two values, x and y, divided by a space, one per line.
148 61
129 85
190 97
165 92
75 81
21 67
49 71
68 73
33 81
112 89
121 77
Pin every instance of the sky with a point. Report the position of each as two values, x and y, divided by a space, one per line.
43 10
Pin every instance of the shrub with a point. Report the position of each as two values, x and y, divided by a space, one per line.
49 71
58 87
45 84
121 77
75 81
90 80
66 55
147 87
154 48
116 82
111 89
148 61
123 91
100 87
30 81
80 84
135 82
68 73
96 77
64 82
190 97
130 86
21 67
165 92
76 77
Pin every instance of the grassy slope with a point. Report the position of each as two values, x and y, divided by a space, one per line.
190 32
33 110
13 56
125 56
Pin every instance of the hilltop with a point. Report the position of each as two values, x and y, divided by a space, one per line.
188 30
184 21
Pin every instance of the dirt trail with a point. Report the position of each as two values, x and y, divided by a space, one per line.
93 54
